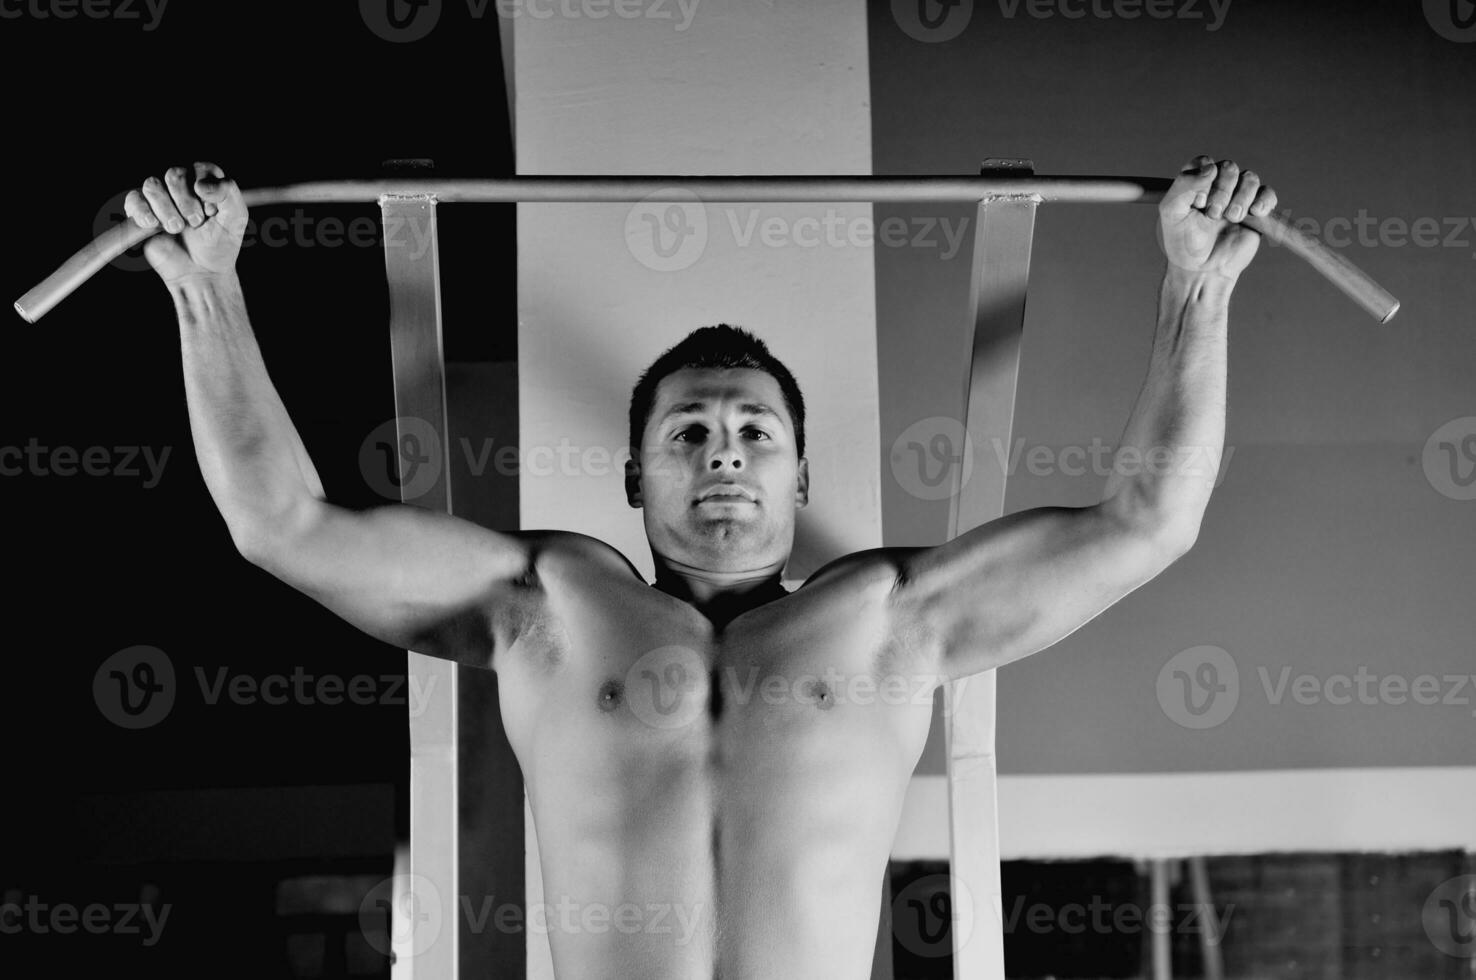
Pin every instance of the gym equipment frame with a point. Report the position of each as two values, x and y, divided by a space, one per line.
1006 193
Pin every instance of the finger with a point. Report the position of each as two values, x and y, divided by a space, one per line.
163 205
207 187
1245 193
1190 187
217 191
188 204
1265 202
135 207
1224 186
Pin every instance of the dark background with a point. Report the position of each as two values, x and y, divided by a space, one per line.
212 807
215 803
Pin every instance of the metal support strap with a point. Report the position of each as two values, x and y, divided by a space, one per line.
465 810
1003 235
425 932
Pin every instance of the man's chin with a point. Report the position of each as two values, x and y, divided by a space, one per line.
727 526
729 534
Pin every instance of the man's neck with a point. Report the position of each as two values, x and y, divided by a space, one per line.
720 596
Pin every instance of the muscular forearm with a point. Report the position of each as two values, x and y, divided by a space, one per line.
250 454
1169 456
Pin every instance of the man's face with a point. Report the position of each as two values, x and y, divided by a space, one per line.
708 429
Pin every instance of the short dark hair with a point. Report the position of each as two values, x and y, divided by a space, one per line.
715 347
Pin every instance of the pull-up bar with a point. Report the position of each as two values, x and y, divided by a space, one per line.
743 189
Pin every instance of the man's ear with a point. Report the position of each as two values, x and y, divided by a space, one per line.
633 483
802 491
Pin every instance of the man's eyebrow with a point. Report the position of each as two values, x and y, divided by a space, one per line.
747 408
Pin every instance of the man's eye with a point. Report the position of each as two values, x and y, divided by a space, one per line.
700 429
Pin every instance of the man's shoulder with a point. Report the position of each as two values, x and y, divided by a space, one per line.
882 566
873 565
547 544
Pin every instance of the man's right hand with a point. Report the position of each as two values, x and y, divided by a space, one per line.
204 221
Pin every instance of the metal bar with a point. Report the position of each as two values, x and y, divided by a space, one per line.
431 938
753 189
1160 940
758 188
1003 237
1209 932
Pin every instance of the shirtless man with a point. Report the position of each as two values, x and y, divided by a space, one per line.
713 746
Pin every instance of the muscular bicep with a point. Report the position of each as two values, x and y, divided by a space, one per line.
415 578
1019 584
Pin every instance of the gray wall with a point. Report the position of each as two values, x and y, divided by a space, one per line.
1326 547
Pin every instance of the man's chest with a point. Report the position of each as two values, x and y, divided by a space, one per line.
630 672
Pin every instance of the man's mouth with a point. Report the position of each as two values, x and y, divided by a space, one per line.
726 493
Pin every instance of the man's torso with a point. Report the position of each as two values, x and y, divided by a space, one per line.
711 802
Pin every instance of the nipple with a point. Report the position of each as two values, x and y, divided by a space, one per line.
819 692
612 692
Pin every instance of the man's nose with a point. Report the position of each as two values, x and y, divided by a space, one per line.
725 455
726 459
